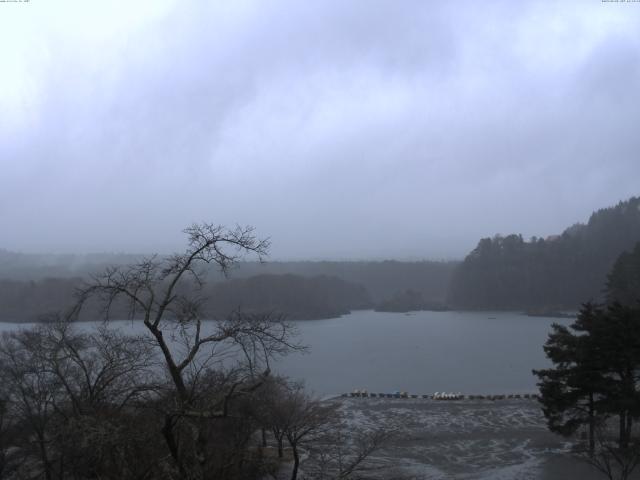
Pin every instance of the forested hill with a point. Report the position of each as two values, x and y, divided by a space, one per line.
559 272
383 280
32 285
299 298
296 297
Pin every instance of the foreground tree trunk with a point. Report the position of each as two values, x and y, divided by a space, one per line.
45 457
296 462
592 426
623 439
166 295
280 448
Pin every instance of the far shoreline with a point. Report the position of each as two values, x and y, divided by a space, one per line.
568 315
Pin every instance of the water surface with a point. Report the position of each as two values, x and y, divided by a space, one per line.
421 352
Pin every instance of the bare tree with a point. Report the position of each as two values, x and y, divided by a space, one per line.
270 413
104 367
321 443
29 391
167 295
307 418
609 458
66 394
3 436
346 452
292 414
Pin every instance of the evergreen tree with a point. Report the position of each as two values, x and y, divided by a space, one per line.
571 390
558 273
617 339
596 372
623 283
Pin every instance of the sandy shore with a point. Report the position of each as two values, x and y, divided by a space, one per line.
467 439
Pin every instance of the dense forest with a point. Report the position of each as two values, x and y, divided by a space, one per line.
31 266
591 393
300 298
559 272
504 272
31 301
382 279
176 402
32 286
409 301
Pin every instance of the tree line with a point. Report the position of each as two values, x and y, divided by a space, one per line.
317 290
183 398
381 279
300 298
593 385
556 273
503 272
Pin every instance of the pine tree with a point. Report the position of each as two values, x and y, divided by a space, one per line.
571 390
617 336
596 372
623 283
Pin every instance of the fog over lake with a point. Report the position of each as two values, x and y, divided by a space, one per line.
393 196
420 352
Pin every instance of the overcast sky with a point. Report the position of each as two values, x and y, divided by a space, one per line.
340 129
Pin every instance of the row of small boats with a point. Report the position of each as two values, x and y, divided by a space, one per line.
437 395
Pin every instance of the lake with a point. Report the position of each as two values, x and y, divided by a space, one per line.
420 352
423 352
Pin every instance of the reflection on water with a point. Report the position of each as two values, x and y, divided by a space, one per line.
422 352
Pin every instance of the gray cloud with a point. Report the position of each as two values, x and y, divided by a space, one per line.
340 129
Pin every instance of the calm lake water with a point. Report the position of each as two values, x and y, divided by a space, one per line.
422 352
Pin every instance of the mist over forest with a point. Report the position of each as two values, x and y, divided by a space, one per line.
505 272
335 240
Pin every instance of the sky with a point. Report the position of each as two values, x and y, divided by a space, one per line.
358 129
